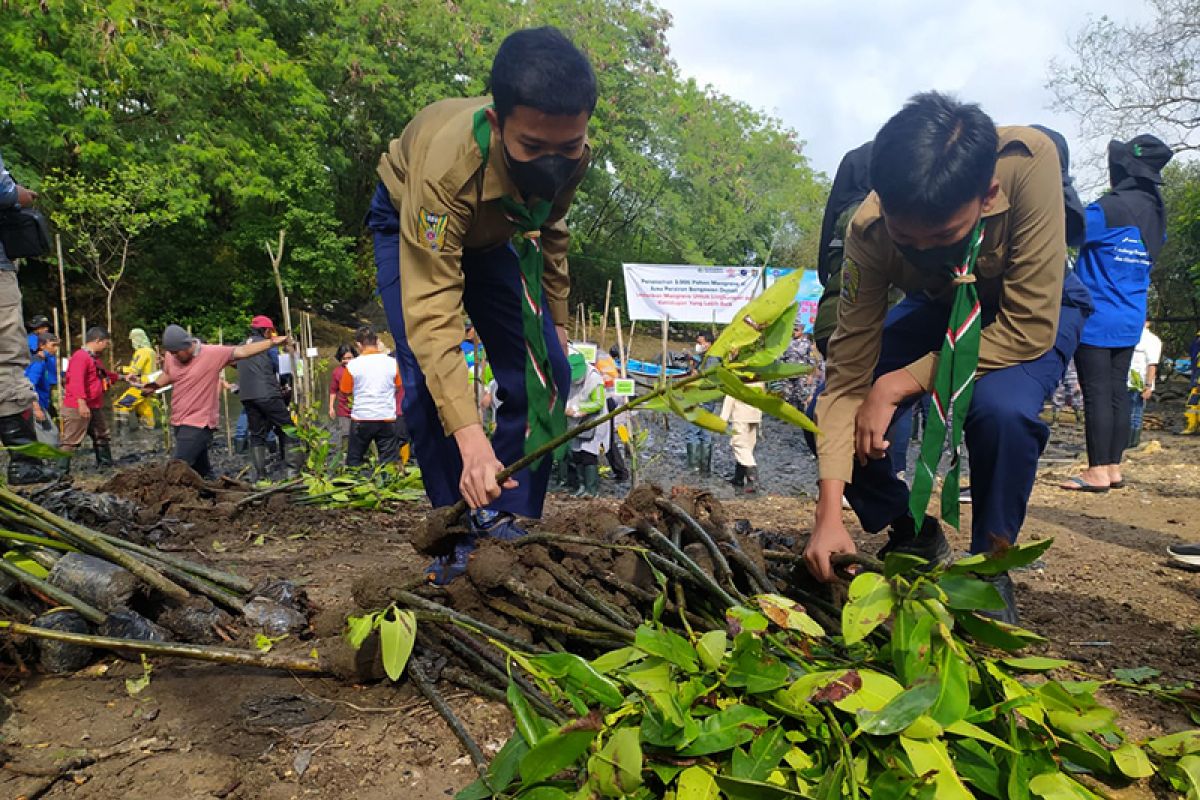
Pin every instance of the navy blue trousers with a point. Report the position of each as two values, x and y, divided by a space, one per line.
1003 431
491 297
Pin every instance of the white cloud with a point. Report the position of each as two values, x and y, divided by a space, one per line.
835 71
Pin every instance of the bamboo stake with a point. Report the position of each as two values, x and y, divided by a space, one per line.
604 318
665 328
197 652
62 294
225 397
90 541
82 331
85 610
620 341
226 579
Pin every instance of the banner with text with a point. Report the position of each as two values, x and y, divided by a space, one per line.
685 293
809 295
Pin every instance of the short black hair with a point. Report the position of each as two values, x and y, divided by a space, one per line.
343 349
704 336
933 157
366 335
542 69
97 333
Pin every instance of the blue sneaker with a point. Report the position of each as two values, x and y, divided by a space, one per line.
495 524
448 567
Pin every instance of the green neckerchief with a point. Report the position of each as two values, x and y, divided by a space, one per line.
546 417
952 389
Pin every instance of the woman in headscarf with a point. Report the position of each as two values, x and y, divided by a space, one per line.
1126 229
142 365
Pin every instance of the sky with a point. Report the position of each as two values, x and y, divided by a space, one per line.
835 70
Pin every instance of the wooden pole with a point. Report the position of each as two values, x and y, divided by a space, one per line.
629 341
65 334
604 319
276 257
225 397
665 325
82 330
620 341
58 362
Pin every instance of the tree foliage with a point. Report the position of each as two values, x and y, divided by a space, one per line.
1122 78
269 114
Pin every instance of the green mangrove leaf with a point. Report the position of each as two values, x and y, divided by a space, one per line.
756 316
901 711
1014 557
954 695
768 403
766 752
531 726
788 614
711 649
616 771
397 635
1057 786
870 604
667 645
1132 761
727 728
964 593
696 783
929 756
558 750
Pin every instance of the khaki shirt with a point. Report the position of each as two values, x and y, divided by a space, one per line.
1020 272
449 202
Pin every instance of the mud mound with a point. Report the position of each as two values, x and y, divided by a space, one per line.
175 489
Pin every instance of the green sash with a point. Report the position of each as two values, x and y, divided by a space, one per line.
952 389
546 417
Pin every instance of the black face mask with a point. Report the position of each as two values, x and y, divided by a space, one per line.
543 177
937 259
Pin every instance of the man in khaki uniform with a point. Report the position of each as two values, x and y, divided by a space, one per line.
16 393
469 217
939 168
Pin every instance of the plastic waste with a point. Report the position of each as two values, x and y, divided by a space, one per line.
59 657
93 580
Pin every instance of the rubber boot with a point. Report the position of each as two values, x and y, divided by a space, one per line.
739 476
572 470
258 458
1008 593
16 430
104 458
692 459
589 480
558 474
705 460
1135 437
1193 422
292 457
64 467
241 445
751 480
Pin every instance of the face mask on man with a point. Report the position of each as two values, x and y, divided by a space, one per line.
941 259
701 348
543 177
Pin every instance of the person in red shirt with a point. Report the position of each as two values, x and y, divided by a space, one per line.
83 399
339 401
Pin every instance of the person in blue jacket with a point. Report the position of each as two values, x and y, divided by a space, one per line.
1126 229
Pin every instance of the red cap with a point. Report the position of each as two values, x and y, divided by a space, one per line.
262 322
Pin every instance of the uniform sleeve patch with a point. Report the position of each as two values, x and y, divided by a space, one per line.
433 228
851 279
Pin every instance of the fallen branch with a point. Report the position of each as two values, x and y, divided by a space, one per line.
196 652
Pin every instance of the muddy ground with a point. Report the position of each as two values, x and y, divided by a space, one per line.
1104 597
